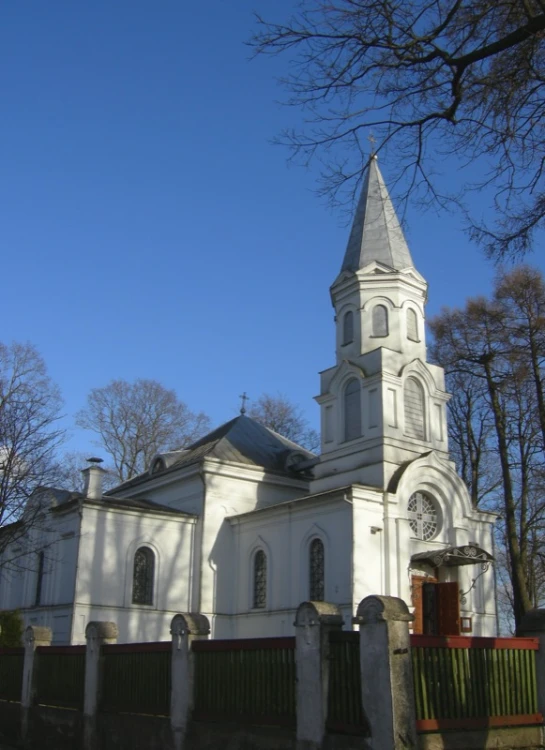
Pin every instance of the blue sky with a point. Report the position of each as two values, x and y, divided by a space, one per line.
148 227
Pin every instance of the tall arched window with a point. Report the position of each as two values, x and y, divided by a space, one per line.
412 325
414 409
352 410
143 576
380 321
260 580
316 571
348 328
39 578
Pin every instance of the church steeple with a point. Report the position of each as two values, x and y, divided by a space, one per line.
376 233
382 403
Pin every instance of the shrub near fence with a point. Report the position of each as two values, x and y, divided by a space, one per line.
250 680
60 676
464 683
345 712
137 678
11 673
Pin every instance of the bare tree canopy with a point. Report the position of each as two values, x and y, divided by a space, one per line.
494 355
30 407
278 413
134 421
428 79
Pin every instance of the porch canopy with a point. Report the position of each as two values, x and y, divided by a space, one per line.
468 554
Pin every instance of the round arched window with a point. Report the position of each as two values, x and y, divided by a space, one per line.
423 516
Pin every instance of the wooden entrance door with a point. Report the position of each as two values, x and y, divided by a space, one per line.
436 606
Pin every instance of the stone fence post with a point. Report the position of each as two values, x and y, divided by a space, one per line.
34 636
313 623
96 634
386 672
533 625
184 629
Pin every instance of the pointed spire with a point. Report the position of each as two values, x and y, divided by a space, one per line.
376 233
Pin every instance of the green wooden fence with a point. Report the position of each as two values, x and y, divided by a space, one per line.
11 673
248 680
60 675
345 712
137 678
462 682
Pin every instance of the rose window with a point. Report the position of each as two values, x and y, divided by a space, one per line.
422 514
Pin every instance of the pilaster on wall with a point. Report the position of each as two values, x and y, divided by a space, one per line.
386 672
313 623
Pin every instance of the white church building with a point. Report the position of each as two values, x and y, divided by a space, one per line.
244 525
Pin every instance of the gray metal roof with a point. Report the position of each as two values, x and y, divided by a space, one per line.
242 440
376 233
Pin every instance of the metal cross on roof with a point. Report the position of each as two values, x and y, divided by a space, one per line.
243 397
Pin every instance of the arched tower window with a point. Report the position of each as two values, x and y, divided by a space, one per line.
316 571
143 576
380 321
414 409
260 580
412 325
348 328
352 410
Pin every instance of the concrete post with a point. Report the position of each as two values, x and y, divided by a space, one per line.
96 634
184 629
313 623
533 626
386 672
34 636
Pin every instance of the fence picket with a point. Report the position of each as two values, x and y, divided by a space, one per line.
474 681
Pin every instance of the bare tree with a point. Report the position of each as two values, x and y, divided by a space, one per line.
134 421
497 347
428 79
278 413
30 436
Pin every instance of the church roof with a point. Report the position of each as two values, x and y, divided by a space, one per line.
244 440
241 440
376 234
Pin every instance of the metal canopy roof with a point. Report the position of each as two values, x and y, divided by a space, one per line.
468 554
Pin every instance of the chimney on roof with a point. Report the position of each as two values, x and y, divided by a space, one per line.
92 479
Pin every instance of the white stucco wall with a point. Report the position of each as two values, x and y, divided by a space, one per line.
284 534
108 542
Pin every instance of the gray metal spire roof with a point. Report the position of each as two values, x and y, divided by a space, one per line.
376 233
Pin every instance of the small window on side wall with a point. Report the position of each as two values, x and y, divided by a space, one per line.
412 325
39 579
316 571
348 328
260 580
143 576
380 321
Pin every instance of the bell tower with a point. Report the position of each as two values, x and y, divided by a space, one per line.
381 404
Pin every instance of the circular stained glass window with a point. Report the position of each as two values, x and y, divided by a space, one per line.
423 517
